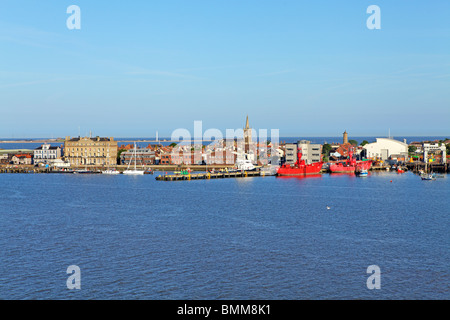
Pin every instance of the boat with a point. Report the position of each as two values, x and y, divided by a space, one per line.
85 172
111 172
300 168
400 170
430 176
133 171
362 173
351 165
245 165
183 172
270 170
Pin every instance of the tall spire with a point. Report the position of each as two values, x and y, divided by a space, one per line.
247 126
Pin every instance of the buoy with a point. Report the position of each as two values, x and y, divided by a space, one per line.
328 208
391 180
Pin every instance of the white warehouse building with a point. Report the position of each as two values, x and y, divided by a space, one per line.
385 147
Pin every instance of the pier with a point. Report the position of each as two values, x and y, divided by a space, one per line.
428 167
203 176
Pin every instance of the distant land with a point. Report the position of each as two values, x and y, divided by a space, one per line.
164 140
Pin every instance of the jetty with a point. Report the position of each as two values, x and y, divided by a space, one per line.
428 167
203 176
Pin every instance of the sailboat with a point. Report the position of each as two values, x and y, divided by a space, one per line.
133 171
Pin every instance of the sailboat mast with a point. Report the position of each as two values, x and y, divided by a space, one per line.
135 156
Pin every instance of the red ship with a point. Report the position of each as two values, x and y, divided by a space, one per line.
351 165
300 168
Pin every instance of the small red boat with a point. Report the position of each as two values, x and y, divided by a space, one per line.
351 165
300 168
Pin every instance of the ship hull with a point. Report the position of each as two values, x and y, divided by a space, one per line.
300 170
341 168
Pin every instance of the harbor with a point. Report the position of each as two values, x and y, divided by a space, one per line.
257 230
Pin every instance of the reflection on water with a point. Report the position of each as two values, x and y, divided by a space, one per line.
309 176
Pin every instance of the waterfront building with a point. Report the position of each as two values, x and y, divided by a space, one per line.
166 158
24 158
311 152
184 157
46 154
383 148
291 153
90 151
434 148
5 158
220 157
59 163
144 156
417 145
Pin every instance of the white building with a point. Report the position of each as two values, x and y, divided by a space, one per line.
311 153
58 163
432 147
46 154
384 147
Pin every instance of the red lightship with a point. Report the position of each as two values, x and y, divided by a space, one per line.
300 168
351 165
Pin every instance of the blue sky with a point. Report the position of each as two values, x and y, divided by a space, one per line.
308 68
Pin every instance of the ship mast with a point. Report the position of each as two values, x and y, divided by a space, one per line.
299 155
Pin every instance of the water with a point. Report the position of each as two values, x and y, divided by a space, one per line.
253 238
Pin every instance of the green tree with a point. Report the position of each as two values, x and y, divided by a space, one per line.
173 144
353 142
118 155
447 148
364 143
326 148
412 149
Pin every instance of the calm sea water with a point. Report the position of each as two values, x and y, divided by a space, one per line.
254 238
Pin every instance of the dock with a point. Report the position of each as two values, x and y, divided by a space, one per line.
203 176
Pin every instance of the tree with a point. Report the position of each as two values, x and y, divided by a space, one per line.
173 144
326 149
364 143
447 147
412 149
353 142
118 155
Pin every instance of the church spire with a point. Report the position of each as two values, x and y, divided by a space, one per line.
247 126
